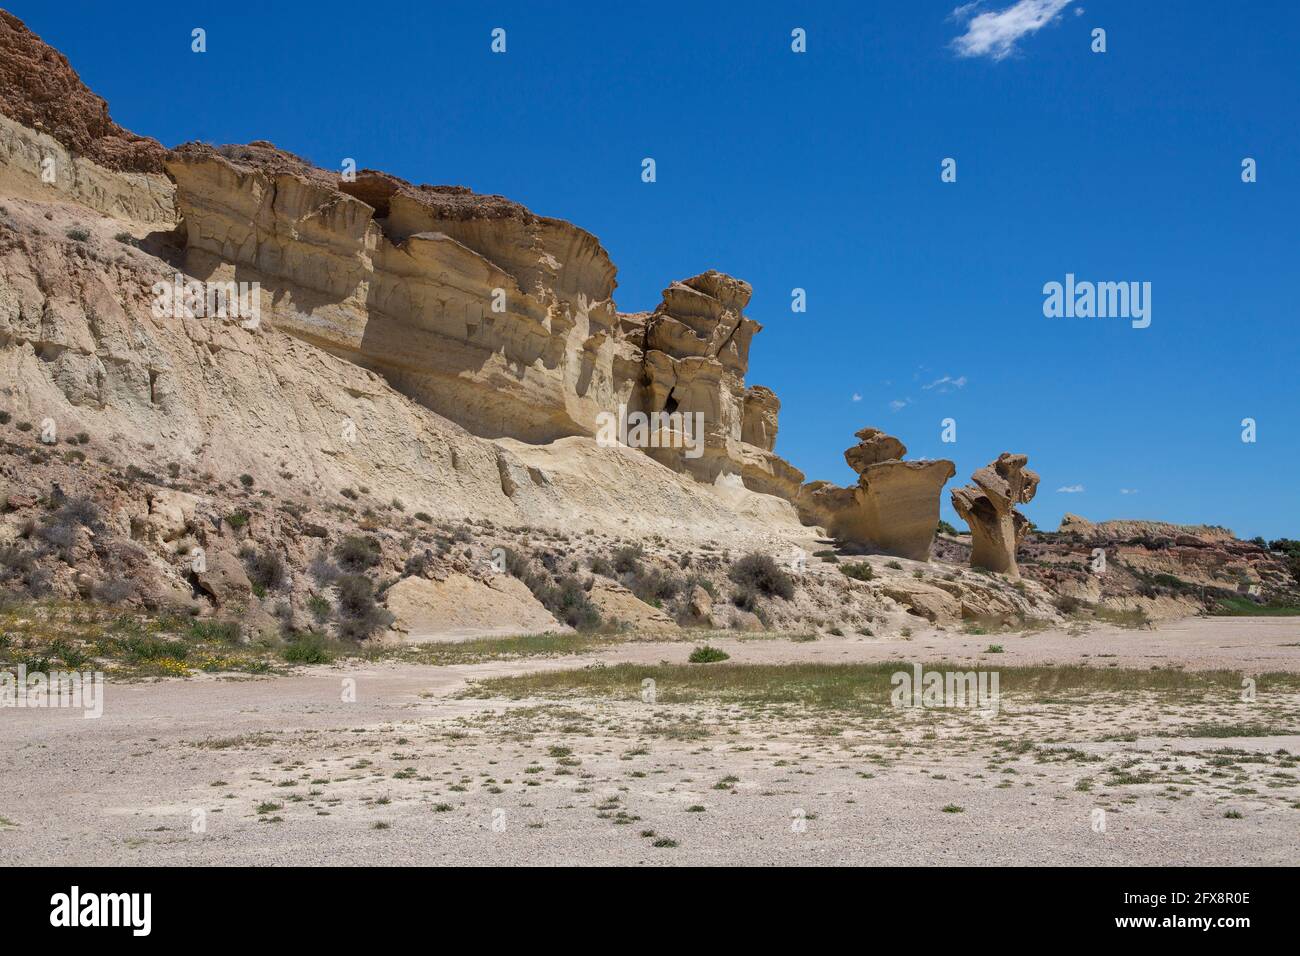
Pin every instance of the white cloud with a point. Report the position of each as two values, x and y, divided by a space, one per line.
1128 491
947 383
994 34
857 397
899 404
1070 489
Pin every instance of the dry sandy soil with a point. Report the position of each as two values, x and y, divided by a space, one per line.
427 768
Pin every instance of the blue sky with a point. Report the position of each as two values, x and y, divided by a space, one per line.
822 171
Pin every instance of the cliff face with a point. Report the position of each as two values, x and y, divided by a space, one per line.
499 321
471 305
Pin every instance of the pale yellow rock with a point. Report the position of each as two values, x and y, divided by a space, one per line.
171 513
35 166
988 507
618 605
224 579
462 608
895 505
925 600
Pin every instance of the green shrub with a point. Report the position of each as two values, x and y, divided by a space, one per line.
1068 604
140 647
746 598
71 656
308 648
653 586
627 560
858 570
225 632
320 608
759 571
569 602
357 553
78 235
359 615
707 655
265 569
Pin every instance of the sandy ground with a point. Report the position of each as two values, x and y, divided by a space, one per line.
176 771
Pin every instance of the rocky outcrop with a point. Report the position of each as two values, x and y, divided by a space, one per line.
1072 524
40 90
471 305
461 608
58 142
895 505
988 507
477 308
696 356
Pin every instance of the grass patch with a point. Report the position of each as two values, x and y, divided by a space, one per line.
708 655
1244 607
549 644
854 687
307 648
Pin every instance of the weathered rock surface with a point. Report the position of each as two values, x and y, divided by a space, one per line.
895 506
473 306
620 606
988 507
873 447
924 600
470 305
224 579
39 89
696 355
462 608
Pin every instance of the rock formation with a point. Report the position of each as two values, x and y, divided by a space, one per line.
988 507
895 505
696 355
473 306
40 90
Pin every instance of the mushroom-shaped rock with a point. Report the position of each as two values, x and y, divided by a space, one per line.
895 506
988 507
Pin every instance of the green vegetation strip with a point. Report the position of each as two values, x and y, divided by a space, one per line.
497 648
1244 607
851 686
